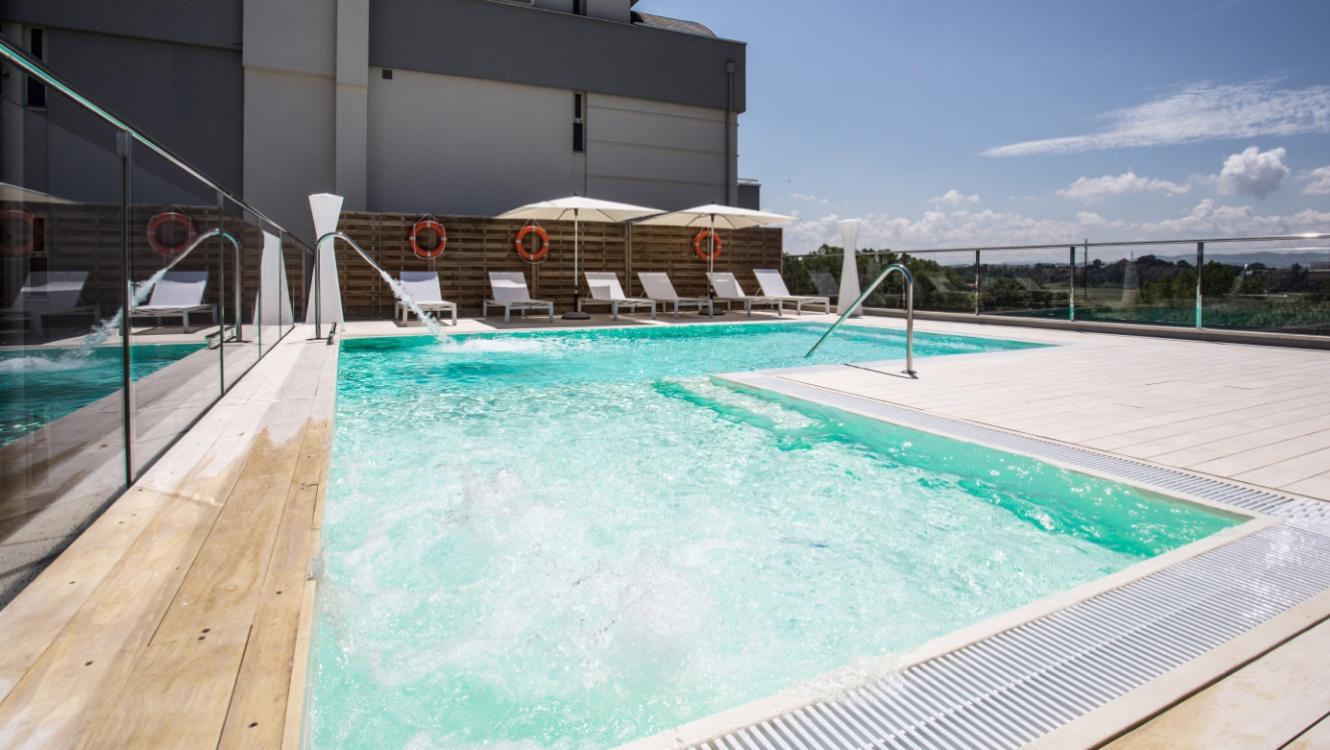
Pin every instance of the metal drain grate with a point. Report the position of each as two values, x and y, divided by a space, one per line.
1313 515
1011 688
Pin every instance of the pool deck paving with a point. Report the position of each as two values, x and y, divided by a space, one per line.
181 617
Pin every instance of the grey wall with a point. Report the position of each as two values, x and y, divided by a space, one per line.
290 108
445 144
185 94
558 50
655 154
453 145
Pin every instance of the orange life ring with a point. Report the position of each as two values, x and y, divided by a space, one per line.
428 225
174 218
23 249
700 248
520 244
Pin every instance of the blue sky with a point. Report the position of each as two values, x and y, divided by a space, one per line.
1050 121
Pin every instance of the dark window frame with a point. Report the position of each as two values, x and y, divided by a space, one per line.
579 122
35 94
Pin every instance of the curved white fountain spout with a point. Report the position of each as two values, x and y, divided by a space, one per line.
398 291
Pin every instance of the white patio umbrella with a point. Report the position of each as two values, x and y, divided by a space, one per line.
579 209
715 215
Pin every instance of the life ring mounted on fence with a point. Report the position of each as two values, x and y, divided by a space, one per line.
700 244
539 254
420 231
170 233
12 244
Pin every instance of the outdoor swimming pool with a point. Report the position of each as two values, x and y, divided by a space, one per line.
39 385
577 539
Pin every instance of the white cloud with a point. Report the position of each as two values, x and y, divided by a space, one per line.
1201 111
936 228
1320 182
1253 172
809 198
955 197
1092 189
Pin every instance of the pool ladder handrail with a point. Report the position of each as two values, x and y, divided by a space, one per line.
909 313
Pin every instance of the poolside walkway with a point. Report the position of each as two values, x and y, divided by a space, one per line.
173 621
1254 414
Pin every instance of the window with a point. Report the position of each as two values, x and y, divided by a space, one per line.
579 125
36 48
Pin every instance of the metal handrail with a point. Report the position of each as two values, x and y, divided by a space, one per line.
1135 243
909 313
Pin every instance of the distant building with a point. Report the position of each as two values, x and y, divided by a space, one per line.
445 106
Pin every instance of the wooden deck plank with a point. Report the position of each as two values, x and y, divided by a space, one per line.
222 587
176 697
1316 738
94 655
1260 707
258 707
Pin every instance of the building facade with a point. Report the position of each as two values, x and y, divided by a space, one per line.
430 106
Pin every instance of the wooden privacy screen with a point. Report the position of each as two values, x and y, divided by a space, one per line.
478 245
87 237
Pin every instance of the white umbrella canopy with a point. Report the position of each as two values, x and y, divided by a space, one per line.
715 215
578 208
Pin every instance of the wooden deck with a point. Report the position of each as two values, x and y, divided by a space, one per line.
174 620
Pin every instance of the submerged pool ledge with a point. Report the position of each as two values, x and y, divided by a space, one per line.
1081 705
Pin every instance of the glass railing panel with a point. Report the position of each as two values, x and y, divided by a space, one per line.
242 343
1152 285
299 261
177 282
815 274
1026 283
1267 287
944 282
62 410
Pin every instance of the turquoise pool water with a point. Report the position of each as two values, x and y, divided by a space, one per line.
40 385
573 540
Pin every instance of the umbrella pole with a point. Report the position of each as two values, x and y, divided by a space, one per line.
576 313
711 267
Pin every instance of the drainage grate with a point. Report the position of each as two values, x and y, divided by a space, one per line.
1011 688
1313 515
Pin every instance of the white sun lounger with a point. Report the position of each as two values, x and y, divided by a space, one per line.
774 286
606 290
48 295
179 294
509 292
423 286
657 288
728 291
